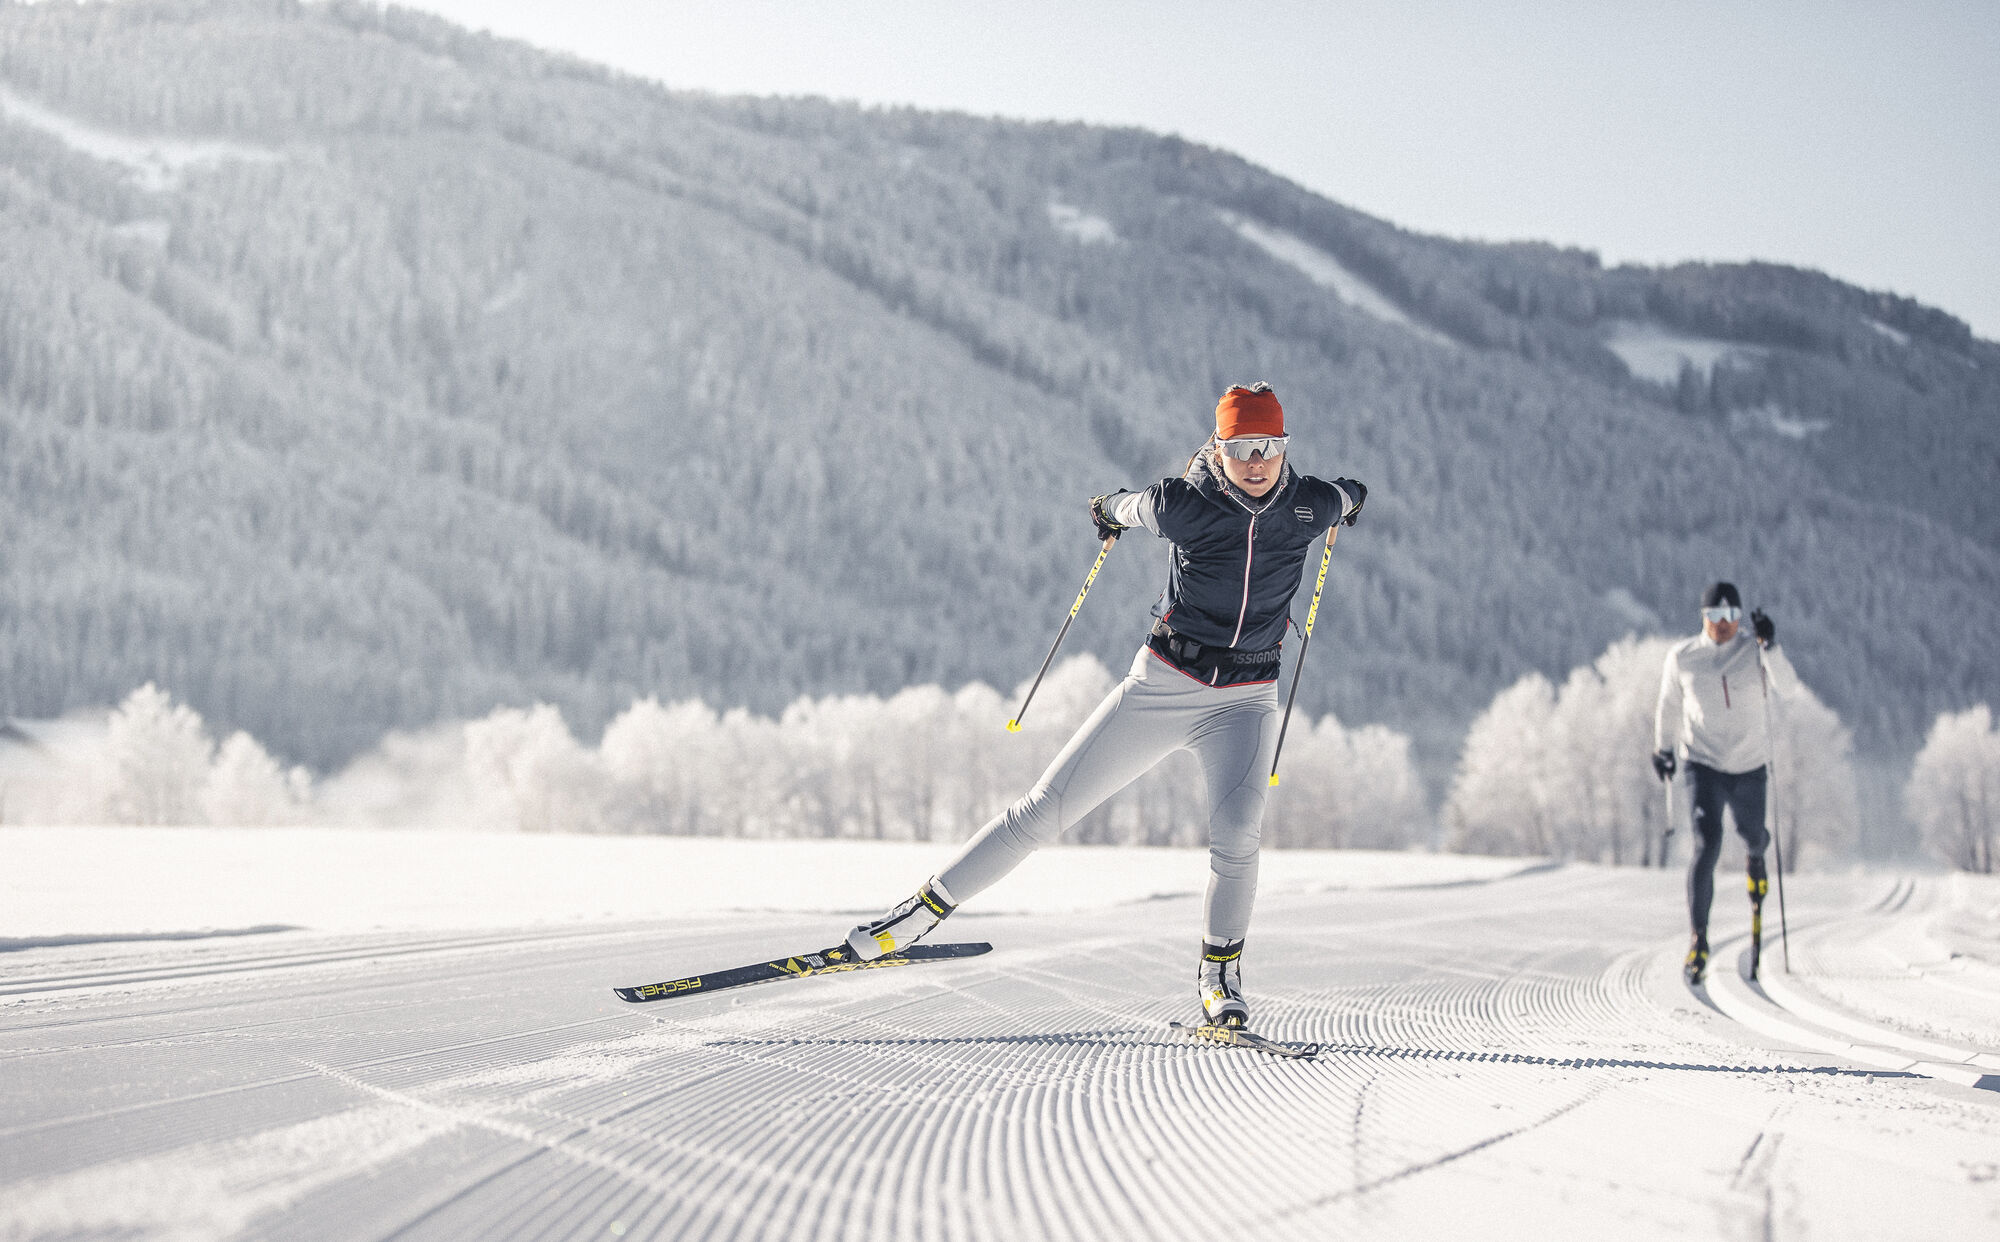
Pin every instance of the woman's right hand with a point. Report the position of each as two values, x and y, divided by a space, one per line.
1106 528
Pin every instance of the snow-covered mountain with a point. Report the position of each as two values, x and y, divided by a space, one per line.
357 371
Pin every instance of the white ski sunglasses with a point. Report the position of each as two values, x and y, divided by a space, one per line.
1243 448
1727 612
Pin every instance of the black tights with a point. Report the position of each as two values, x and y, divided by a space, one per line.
1743 794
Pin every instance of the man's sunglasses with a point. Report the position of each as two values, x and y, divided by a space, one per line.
1243 448
1728 612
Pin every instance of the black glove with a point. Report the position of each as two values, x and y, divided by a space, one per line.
1359 492
1106 528
1767 629
1663 764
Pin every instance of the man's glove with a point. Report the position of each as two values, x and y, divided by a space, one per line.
1767 629
1359 493
1663 764
1106 528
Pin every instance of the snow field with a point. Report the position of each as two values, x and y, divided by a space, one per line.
1507 1057
93 882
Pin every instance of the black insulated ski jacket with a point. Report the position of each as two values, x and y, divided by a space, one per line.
1237 562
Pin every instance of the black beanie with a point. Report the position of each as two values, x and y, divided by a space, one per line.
1721 593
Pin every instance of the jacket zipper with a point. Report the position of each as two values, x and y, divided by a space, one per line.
1249 555
1725 691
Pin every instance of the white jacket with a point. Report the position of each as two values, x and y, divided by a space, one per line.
1712 709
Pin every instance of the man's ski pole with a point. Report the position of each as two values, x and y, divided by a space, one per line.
1667 836
1777 821
1312 614
1014 725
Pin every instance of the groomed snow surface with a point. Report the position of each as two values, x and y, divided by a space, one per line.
224 1033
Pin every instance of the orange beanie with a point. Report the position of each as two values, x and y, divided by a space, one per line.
1249 412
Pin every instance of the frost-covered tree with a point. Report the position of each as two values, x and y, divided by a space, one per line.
1346 788
1504 797
920 746
1564 772
155 761
666 764
530 774
831 773
1814 805
1954 789
245 787
918 765
984 781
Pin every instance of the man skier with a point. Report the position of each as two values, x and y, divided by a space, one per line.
1714 711
1241 522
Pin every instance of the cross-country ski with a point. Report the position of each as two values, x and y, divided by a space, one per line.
828 961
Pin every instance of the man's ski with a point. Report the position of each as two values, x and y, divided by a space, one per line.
1237 1037
825 962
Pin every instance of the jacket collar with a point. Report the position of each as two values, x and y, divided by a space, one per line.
1735 638
1206 475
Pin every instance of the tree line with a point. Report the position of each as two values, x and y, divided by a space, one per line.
1548 770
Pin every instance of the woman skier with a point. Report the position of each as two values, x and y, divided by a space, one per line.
1241 522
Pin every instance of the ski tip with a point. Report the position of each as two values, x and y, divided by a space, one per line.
1013 726
1274 778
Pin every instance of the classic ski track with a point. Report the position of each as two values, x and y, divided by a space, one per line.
1857 991
372 949
1032 1093
1872 967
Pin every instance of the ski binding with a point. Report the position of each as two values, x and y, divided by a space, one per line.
1237 1037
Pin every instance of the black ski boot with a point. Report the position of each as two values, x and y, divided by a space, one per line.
1697 960
1219 980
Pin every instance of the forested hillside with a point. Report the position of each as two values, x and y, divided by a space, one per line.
358 372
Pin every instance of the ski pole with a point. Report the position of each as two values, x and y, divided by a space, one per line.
1312 614
1667 836
1777 821
1014 725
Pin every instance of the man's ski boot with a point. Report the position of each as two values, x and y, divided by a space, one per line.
1697 960
1220 983
904 925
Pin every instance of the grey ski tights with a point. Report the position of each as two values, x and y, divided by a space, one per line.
1156 710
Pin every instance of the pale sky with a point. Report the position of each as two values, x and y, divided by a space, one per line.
1862 139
